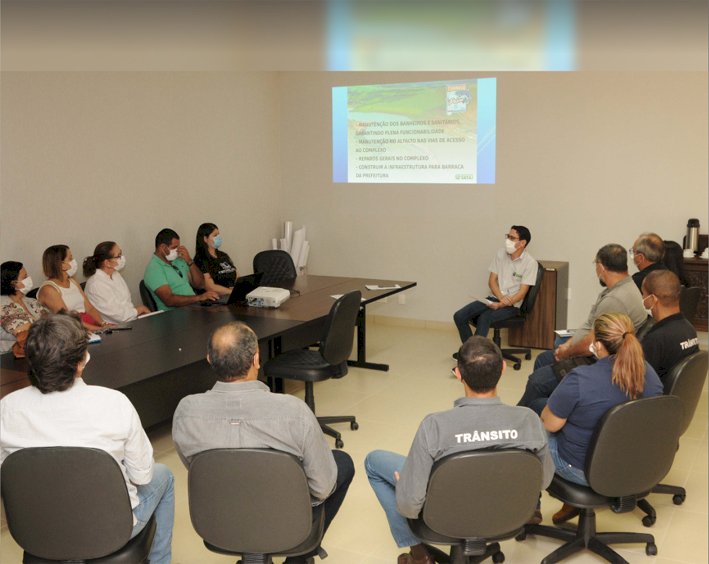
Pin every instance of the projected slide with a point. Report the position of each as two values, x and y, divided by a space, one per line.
424 132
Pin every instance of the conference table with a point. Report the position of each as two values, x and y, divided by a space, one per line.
162 358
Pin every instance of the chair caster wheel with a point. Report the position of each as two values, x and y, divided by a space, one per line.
522 536
339 443
528 356
649 520
517 365
354 425
651 549
678 499
498 557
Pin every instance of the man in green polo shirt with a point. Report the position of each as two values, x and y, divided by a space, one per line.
171 274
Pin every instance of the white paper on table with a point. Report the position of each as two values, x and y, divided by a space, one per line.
338 296
151 313
298 239
378 287
303 258
564 333
274 244
288 235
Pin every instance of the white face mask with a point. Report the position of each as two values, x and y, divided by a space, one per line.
172 255
73 267
27 285
594 351
510 246
88 357
121 263
647 310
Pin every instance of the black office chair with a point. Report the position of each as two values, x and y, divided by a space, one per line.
476 498
685 381
71 504
33 293
254 503
631 451
146 297
524 310
689 301
276 266
329 361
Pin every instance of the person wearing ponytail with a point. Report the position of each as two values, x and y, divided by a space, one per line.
18 311
61 292
586 393
105 286
216 266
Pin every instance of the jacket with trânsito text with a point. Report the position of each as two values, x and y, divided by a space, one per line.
472 424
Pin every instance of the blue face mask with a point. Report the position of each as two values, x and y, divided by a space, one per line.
217 241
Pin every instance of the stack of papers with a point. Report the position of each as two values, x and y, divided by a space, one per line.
377 287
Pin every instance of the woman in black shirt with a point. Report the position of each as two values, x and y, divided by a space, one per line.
218 269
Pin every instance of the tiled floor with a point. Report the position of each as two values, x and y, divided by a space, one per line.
389 407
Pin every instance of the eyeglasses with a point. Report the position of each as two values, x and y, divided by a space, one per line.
511 237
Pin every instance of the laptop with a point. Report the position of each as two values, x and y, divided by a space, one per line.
242 286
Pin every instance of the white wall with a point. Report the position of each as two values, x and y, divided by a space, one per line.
583 159
89 157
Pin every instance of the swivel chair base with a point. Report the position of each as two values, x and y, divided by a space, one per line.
509 354
337 419
678 493
458 555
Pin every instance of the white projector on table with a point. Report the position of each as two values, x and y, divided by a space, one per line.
266 296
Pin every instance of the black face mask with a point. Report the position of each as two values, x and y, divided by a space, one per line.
602 283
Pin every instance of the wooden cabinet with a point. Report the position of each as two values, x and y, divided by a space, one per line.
549 312
697 272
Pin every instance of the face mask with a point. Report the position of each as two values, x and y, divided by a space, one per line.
26 285
647 310
217 241
121 262
73 267
593 350
88 357
172 255
510 246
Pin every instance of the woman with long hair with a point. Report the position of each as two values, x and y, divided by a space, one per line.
218 269
587 392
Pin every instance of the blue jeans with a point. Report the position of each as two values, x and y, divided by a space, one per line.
540 384
547 357
380 466
563 468
157 497
481 316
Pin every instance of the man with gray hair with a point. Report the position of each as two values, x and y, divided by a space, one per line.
278 421
647 253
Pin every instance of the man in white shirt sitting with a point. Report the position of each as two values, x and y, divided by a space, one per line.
59 409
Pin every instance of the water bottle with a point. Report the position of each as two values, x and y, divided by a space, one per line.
692 240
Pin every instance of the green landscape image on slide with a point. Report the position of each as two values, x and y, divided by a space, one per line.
421 132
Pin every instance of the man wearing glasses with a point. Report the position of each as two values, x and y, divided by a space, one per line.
512 272
171 275
647 253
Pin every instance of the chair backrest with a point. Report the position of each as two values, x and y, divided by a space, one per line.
276 266
633 446
686 380
689 301
147 297
33 293
482 494
338 336
531 297
249 500
65 503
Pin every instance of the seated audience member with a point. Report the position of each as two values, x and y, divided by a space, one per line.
400 483
588 392
619 295
267 420
672 337
171 274
18 311
647 252
216 266
673 260
105 287
512 272
59 408
61 292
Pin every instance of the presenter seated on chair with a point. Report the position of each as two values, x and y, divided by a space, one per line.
171 275
512 272
478 420
60 409
241 412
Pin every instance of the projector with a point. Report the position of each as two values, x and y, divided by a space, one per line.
267 297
